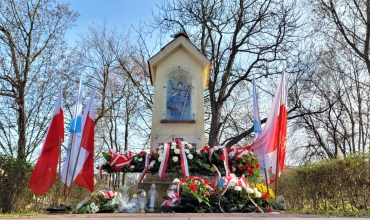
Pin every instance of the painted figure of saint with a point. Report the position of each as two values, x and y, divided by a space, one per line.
178 101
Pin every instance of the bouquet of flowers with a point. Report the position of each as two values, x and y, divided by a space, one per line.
195 194
243 162
101 201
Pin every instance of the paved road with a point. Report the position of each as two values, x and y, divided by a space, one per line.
187 216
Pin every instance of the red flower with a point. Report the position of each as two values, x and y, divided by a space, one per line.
213 192
265 196
249 164
222 157
213 184
142 153
234 165
256 165
245 156
202 150
193 187
184 180
206 182
250 172
241 167
237 157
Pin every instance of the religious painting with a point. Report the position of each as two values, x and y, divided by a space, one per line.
178 99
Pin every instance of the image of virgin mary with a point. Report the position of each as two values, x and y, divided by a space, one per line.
178 101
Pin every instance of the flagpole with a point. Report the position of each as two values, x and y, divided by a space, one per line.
69 161
60 176
267 185
74 168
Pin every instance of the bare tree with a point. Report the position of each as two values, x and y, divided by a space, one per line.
32 52
104 57
339 80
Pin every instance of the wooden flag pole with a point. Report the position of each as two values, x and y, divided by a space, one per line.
267 184
74 168
69 161
60 176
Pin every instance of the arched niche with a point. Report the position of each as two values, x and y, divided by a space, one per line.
179 95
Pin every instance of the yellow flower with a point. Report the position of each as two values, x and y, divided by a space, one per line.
263 189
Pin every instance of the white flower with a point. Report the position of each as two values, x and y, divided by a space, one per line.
215 148
231 154
238 188
190 146
173 147
250 190
175 159
152 163
132 167
1 171
176 180
161 146
233 182
93 208
160 159
173 144
140 159
177 151
255 190
187 151
233 169
135 158
198 151
190 156
258 195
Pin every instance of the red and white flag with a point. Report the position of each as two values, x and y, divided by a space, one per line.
273 136
84 173
43 176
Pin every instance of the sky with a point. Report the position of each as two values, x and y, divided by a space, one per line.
116 13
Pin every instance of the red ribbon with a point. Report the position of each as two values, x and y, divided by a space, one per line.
117 161
147 165
166 154
174 197
184 160
108 194
210 152
226 161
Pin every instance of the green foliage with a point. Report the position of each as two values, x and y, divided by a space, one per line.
241 162
201 196
97 202
106 156
340 185
14 177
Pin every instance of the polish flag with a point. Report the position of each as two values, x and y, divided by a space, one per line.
272 139
84 173
43 176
